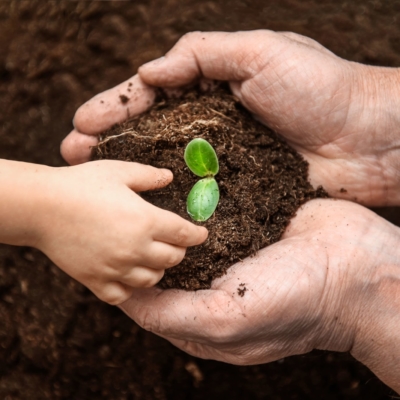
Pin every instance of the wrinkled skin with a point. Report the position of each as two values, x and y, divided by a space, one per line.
333 281
316 288
340 115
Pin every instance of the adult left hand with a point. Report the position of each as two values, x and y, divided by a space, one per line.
115 105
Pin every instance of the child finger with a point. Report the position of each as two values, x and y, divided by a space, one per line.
160 255
138 177
113 293
175 230
142 277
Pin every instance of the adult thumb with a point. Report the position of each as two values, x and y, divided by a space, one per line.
212 55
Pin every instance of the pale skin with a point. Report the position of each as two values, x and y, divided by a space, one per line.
89 220
333 281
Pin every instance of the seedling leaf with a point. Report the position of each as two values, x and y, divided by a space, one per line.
201 158
203 199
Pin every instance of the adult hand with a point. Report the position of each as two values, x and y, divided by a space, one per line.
115 105
342 116
332 282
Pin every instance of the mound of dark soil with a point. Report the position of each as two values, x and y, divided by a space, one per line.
262 180
57 341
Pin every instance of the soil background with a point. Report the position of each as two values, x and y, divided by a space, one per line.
57 341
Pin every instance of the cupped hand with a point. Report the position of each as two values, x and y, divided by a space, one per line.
98 230
115 105
317 288
340 115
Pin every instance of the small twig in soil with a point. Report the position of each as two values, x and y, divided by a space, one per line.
200 122
125 133
221 115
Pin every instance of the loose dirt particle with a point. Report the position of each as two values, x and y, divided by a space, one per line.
262 180
124 99
241 290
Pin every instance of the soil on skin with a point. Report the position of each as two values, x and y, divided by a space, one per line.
262 180
57 340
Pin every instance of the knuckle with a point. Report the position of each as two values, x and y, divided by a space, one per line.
120 255
289 35
175 258
125 253
189 37
151 279
183 235
112 298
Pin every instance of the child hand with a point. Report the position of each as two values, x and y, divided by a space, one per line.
98 230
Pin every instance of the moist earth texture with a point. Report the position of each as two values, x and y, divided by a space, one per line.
57 340
262 180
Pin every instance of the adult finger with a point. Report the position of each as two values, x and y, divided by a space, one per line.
217 315
305 40
208 352
213 55
205 316
113 106
242 353
198 349
76 148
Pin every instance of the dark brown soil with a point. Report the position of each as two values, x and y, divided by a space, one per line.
262 180
57 341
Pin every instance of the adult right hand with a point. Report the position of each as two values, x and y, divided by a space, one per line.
340 115
331 283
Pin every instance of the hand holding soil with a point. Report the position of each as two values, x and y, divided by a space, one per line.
340 115
91 223
322 286
329 283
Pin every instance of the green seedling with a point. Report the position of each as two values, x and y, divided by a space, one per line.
201 159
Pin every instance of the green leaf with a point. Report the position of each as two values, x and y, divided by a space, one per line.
203 199
201 158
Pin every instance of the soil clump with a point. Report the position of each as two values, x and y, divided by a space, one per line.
262 180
